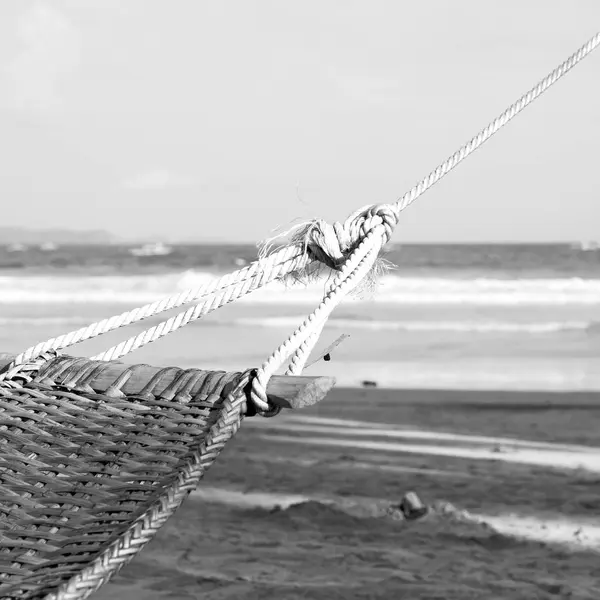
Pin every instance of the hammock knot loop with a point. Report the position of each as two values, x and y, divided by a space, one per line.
331 244
328 243
359 224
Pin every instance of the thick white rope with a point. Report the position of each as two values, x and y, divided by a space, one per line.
337 245
226 296
496 124
300 357
237 284
357 266
337 239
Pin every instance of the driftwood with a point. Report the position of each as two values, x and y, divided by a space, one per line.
284 391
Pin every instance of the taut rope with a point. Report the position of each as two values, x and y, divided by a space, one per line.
351 248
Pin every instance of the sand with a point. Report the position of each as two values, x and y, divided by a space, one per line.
302 506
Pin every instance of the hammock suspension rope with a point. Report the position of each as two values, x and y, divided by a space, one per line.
350 248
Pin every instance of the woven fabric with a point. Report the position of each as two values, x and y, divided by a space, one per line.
86 479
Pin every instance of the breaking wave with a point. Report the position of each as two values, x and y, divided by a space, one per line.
507 327
393 289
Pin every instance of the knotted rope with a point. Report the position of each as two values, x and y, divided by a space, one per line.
351 249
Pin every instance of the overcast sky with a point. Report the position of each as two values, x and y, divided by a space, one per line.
220 120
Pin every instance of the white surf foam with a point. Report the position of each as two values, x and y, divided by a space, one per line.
503 327
386 326
393 289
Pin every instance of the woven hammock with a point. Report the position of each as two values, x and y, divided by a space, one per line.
97 455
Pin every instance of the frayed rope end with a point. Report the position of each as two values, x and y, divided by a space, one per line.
321 241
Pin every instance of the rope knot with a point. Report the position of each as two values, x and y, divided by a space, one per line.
329 243
332 244
360 223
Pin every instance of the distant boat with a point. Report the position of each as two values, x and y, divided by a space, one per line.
590 246
16 248
48 247
157 249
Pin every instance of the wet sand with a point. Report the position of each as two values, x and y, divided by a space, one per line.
302 506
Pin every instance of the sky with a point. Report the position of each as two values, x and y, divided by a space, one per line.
221 120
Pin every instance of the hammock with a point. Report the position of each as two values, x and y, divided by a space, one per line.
96 455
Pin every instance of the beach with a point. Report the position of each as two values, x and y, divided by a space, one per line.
302 506
470 377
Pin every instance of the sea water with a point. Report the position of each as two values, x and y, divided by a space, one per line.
448 316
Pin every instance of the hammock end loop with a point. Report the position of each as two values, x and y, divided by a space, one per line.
256 392
332 244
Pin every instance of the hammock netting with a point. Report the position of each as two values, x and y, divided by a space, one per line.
87 478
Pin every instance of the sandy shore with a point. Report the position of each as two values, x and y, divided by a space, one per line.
302 506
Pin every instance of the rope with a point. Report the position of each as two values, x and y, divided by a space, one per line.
350 248
229 294
300 343
233 285
336 240
496 124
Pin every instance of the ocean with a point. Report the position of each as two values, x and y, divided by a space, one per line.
497 317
